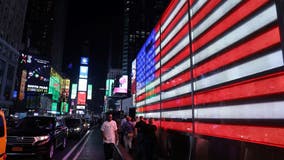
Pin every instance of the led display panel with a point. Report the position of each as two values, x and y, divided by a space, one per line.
84 60
83 72
81 100
109 84
80 107
38 72
89 93
74 91
82 85
123 83
223 53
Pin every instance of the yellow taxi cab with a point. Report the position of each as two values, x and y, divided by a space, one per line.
3 136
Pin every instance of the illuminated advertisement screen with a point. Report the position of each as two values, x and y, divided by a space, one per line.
74 91
54 106
81 98
133 77
109 84
89 94
64 107
82 85
38 72
84 60
123 82
54 88
83 72
80 107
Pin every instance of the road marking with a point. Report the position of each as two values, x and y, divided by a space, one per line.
73 149
83 146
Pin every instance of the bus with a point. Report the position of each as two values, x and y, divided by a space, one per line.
211 74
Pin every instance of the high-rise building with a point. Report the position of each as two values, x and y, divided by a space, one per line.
140 16
12 16
44 30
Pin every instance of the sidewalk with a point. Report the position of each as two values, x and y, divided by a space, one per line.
94 148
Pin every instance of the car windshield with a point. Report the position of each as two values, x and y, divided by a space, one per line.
37 122
72 122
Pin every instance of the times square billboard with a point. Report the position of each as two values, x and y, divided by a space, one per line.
38 72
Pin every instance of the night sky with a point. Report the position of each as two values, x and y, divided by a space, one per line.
100 24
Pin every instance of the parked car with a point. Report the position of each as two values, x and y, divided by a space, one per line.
3 136
37 136
75 127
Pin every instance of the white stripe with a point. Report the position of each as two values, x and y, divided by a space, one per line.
269 110
153 99
170 18
183 43
141 103
152 115
175 30
175 71
214 17
141 91
264 63
181 114
197 6
265 17
172 15
157 51
185 89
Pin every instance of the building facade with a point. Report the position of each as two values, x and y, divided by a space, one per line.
140 16
44 29
12 16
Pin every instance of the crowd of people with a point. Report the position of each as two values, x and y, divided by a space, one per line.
135 134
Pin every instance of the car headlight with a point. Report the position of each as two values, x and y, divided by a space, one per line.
41 138
77 129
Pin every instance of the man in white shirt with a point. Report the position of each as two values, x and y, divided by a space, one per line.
109 132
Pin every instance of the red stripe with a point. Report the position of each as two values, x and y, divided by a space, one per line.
204 12
263 86
180 79
254 45
168 11
174 22
152 92
177 103
149 108
233 18
179 36
176 60
141 97
257 134
170 104
178 126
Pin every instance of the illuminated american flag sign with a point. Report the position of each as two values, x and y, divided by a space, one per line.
215 68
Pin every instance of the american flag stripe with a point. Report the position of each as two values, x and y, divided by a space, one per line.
251 47
252 88
247 8
203 12
238 112
257 134
251 26
180 102
262 64
216 15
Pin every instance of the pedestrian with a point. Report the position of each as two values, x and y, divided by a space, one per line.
121 133
128 130
110 137
139 134
150 139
